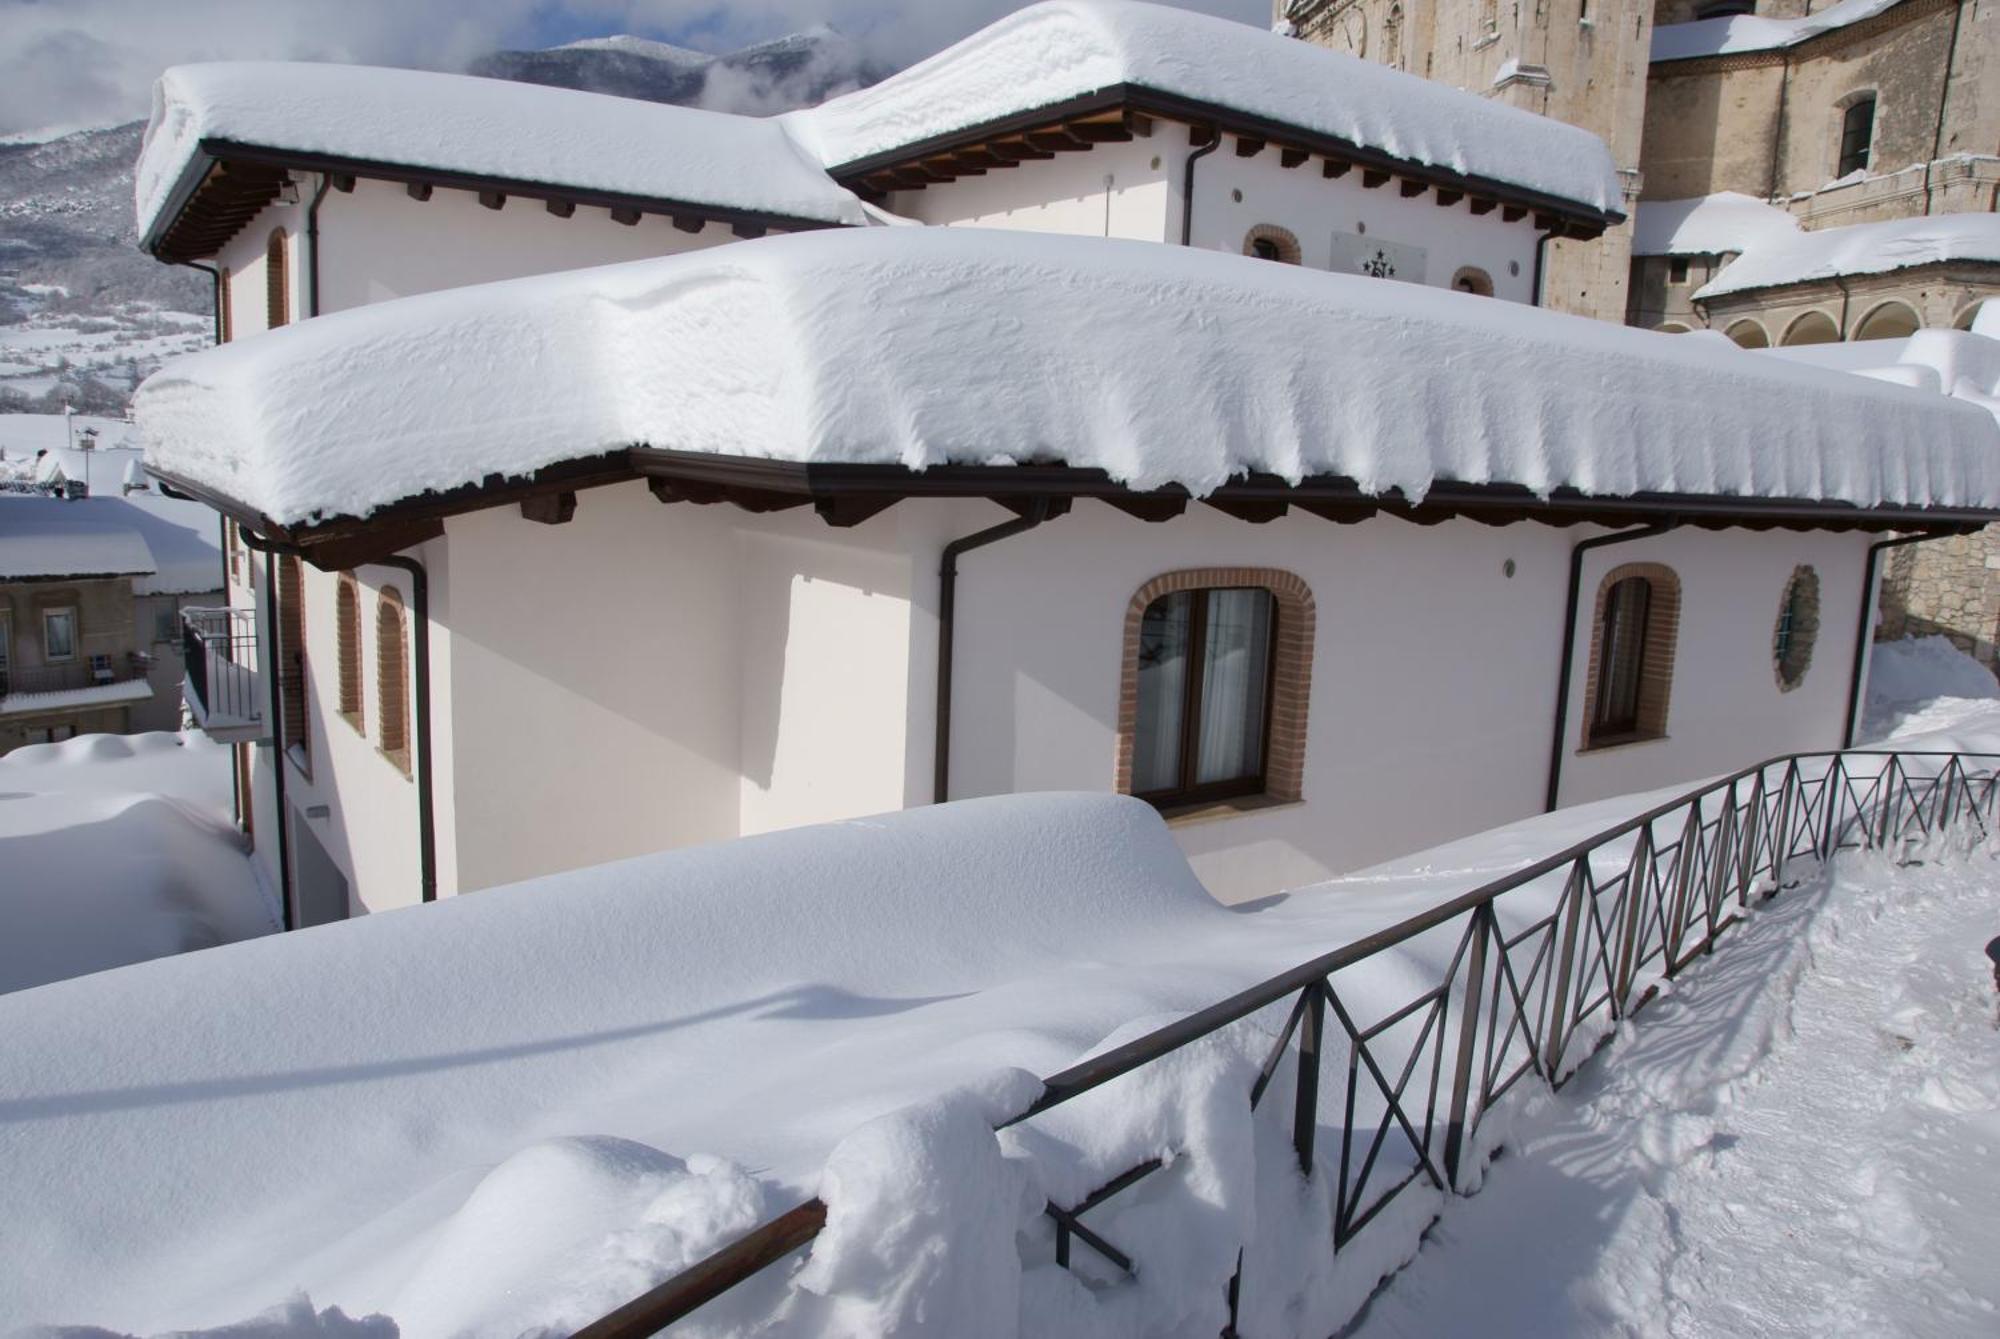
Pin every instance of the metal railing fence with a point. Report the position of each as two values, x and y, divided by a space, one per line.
219 654
1533 970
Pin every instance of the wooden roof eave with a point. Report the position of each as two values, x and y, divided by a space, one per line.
845 495
1063 118
183 231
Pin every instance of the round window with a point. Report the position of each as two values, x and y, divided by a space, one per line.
1798 628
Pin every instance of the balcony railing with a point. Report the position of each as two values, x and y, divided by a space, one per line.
91 672
1532 971
219 653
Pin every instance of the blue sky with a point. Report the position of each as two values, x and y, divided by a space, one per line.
92 62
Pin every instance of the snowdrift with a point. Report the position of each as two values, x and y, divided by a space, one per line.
115 849
189 1138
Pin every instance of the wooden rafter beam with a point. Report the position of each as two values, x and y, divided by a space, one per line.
1373 177
1446 197
1291 158
1412 189
1248 146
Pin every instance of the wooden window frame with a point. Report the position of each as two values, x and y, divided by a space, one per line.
224 302
294 676
392 679
1187 790
348 647
1288 689
1659 644
277 280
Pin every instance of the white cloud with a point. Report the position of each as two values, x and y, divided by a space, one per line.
82 62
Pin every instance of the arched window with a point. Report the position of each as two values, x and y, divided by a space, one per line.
1749 335
1471 279
1857 134
1891 320
1267 241
1798 628
1720 9
277 286
1632 655
292 658
347 619
1964 320
392 697
1671 328
1811 328
1212 704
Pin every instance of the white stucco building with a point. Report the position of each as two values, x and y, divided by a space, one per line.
1328 567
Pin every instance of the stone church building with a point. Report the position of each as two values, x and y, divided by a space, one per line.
1797 172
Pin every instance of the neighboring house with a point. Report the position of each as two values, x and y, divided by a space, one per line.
56 452
468 644
91 597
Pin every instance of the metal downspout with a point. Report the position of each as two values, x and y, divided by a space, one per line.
1541 264
1563 676
277 707
312 244
420 610
1187 185
1865 625
1039 509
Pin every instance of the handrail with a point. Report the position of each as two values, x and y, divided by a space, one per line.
1677 885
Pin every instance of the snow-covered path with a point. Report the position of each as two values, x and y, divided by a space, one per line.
1803 1140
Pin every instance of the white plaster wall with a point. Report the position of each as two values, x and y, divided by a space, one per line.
376 243
1726 710
370 829
1314 208
1434 675
826 645
594 696
1066 194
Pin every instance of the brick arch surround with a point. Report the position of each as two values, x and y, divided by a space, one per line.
1656 670
1291 676
1284 239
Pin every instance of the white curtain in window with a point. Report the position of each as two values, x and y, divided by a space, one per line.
1163 662
1235 674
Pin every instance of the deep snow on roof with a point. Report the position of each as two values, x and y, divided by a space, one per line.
1957 363
1859 248
484 127
922 347
168 544
1707 225
42 539
1053 52
1747 32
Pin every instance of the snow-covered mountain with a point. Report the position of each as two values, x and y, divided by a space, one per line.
84 314
775 76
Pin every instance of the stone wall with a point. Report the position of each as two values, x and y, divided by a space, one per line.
1948 587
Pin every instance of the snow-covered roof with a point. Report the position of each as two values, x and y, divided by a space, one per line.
48 539
1707 225
483 128
72 699
1859 248
924 347
1958 363
1056 52
168 544
1747 32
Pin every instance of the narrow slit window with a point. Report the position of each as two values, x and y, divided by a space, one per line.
1857 132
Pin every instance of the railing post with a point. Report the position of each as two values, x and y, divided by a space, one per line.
1468 1038
1792 785
1887 781
1557 1035
1636 880
1305 1109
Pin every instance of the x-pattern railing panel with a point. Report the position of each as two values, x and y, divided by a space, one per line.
1583 936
